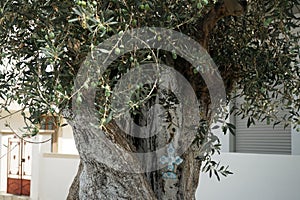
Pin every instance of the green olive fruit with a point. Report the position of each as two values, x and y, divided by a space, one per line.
117 51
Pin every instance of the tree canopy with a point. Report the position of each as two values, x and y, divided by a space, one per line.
46 41
253 43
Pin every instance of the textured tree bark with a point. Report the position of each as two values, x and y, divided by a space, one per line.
99 181
99 178
96 180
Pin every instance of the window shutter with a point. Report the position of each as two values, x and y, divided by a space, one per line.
262 138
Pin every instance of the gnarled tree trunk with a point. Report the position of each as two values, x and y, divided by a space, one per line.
97 180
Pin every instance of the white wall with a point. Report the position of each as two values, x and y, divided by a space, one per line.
295 141
16 122
51 176
3 161
56 174
66 142
256 177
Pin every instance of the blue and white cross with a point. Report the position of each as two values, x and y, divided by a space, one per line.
171 160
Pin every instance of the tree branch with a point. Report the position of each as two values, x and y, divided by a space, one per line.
219 11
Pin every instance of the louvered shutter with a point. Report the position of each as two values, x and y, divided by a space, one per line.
262 138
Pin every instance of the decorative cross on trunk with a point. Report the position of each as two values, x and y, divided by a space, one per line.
172 161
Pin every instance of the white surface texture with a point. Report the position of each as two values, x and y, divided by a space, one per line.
256 177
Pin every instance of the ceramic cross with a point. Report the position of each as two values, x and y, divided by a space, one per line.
171 160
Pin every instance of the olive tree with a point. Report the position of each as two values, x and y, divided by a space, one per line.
52 52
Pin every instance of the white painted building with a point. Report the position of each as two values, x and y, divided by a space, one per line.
257 175
44 169
265 163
